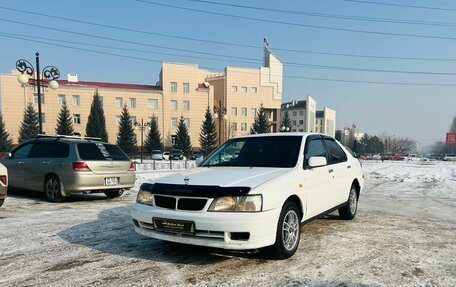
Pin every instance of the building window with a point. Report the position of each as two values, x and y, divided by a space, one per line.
118 120
132 103
133 120
119 102
76 119
155 119
301 113
173 140
234 111
294 123
152 104
186 105
244 112
173 105
243 126
174 122
43 117
173 87
301 130
234 127
301 122
35 98
187 122
76 100
61 99
244 89
234 88
253 90
294 114
253 112
186 88
101 100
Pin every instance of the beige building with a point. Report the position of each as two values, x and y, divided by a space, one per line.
326 122
182 90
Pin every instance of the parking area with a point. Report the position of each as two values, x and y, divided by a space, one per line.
403 236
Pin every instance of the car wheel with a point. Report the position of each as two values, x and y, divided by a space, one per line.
348 212
288 232
52 189
114 193
2 201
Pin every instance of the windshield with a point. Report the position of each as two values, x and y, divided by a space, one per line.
268 151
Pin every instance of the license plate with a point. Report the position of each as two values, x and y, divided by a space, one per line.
174 226
111 181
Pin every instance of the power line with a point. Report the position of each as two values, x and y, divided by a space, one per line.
242 59
299 24
241 72
402 5
229 43
331 16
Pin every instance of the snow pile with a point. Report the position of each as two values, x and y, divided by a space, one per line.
435 172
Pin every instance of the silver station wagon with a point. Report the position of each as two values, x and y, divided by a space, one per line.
61 165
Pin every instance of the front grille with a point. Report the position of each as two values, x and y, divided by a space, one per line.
194 204
165 201
183 203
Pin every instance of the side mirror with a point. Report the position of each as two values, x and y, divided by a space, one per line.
316 161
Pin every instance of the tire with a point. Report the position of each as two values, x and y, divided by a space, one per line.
114 193
2 201
348 212
52 188
288 232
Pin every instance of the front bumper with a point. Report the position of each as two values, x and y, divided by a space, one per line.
213 229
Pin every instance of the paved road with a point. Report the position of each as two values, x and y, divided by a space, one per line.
396 240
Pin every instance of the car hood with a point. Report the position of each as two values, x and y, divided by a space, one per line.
225 176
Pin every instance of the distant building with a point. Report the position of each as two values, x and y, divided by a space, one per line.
305 118
347 136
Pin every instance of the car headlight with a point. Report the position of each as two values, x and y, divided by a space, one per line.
145 197
249 203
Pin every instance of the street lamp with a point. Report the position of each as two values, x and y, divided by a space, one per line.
142 126
49 73
220 114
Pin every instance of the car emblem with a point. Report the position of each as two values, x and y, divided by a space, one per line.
186 180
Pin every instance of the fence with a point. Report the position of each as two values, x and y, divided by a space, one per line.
164 165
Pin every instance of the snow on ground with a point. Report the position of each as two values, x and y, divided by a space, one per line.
403 235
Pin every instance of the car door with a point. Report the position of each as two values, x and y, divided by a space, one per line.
15 165
341 171
319 181
39 163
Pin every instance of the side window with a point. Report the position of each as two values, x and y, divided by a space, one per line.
314 147
41 150
336 154
23 151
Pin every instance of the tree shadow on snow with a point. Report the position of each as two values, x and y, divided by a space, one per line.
113 233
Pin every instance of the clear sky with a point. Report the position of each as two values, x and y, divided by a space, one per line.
327 27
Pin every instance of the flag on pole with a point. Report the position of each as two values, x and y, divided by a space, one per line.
265 41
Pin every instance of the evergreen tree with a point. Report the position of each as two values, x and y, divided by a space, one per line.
208 134
30 125
261 125
5 139
182 138
153 141
96 124
285 125
64 122
126 138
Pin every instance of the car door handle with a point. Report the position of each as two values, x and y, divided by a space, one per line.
349 166
20 162
46 162
331 170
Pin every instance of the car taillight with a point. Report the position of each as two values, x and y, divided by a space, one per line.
132 166
3 179
80 166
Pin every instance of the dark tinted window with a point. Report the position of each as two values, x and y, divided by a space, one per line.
314 147
336 154
100 151
23 151
49 150
268 151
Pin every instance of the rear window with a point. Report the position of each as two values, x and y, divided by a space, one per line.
100 151
156 152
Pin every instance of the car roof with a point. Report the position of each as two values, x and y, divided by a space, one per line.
283 134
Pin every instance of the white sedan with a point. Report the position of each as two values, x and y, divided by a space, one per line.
257 197
3 183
